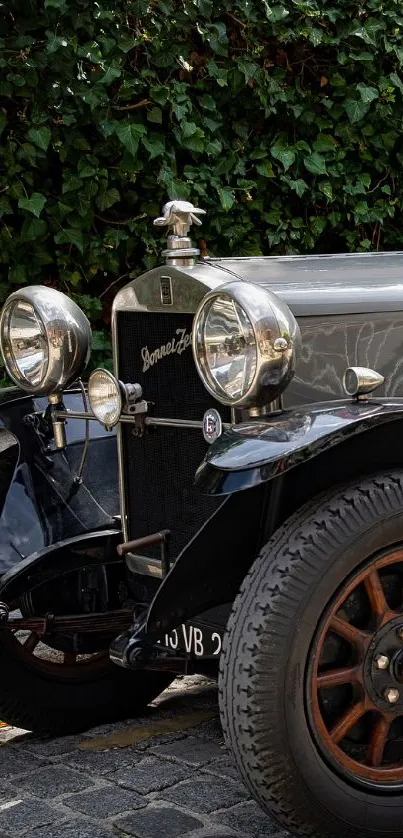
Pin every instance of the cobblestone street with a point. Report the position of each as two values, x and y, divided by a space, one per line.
165 775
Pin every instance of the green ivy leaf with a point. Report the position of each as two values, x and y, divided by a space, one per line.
316 164
317 224
396 81
325 186
5 206
3 122
129 135
208 103
299 186
324 142
32 229
285 155
40 137
355 109
55 42
155 115
368 94
195 142
56 4
106 199
265 169
227 198
111 75
72 235
276 12
154 145
17 275
34 204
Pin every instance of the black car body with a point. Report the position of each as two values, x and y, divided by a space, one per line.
252 496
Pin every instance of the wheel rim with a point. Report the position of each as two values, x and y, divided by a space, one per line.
355 679
31 648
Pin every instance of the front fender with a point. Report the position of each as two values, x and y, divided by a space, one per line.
40 503
257 451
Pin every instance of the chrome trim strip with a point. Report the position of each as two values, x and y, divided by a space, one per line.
192 424
158 421
122 492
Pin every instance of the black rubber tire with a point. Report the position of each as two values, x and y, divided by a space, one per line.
46 704
266 651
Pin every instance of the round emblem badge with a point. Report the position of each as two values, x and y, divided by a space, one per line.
212 425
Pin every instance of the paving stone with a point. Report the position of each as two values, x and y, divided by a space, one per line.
14 762
157 821
210 730
52 781
26 814
217 832
206 794
70 829
6 793
102 762
223 768
190 750
249 818
159 739
151 774
52 747
105 802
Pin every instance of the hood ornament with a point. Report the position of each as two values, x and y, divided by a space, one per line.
179 216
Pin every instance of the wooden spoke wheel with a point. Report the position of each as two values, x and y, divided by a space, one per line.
356 680
311 674
49 688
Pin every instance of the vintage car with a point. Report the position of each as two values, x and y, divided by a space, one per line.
232 495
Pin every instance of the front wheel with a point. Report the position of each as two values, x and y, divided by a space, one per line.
311 679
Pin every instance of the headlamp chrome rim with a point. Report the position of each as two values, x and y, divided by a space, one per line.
277 340
119 395
63 326
13 368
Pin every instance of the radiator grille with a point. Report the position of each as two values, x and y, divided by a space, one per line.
159 469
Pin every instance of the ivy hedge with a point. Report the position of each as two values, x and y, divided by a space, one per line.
283 121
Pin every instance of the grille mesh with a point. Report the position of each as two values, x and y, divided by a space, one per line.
159 469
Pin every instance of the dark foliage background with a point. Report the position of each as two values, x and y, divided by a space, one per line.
283 121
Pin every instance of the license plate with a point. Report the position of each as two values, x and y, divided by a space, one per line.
198 641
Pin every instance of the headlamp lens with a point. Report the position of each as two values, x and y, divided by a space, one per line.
25 342
227 346
105 397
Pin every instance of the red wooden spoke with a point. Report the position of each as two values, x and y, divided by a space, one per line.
353 635
377 742
376 594
336 677
347 721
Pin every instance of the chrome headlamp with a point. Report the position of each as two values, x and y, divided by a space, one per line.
45 339
105 397
245 344
109 397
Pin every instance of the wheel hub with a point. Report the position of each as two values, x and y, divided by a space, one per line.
398 666
383 668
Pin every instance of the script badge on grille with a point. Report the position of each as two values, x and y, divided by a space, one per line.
212 425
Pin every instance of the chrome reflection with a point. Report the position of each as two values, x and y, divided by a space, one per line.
45 339
229 347
245 344
28 343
